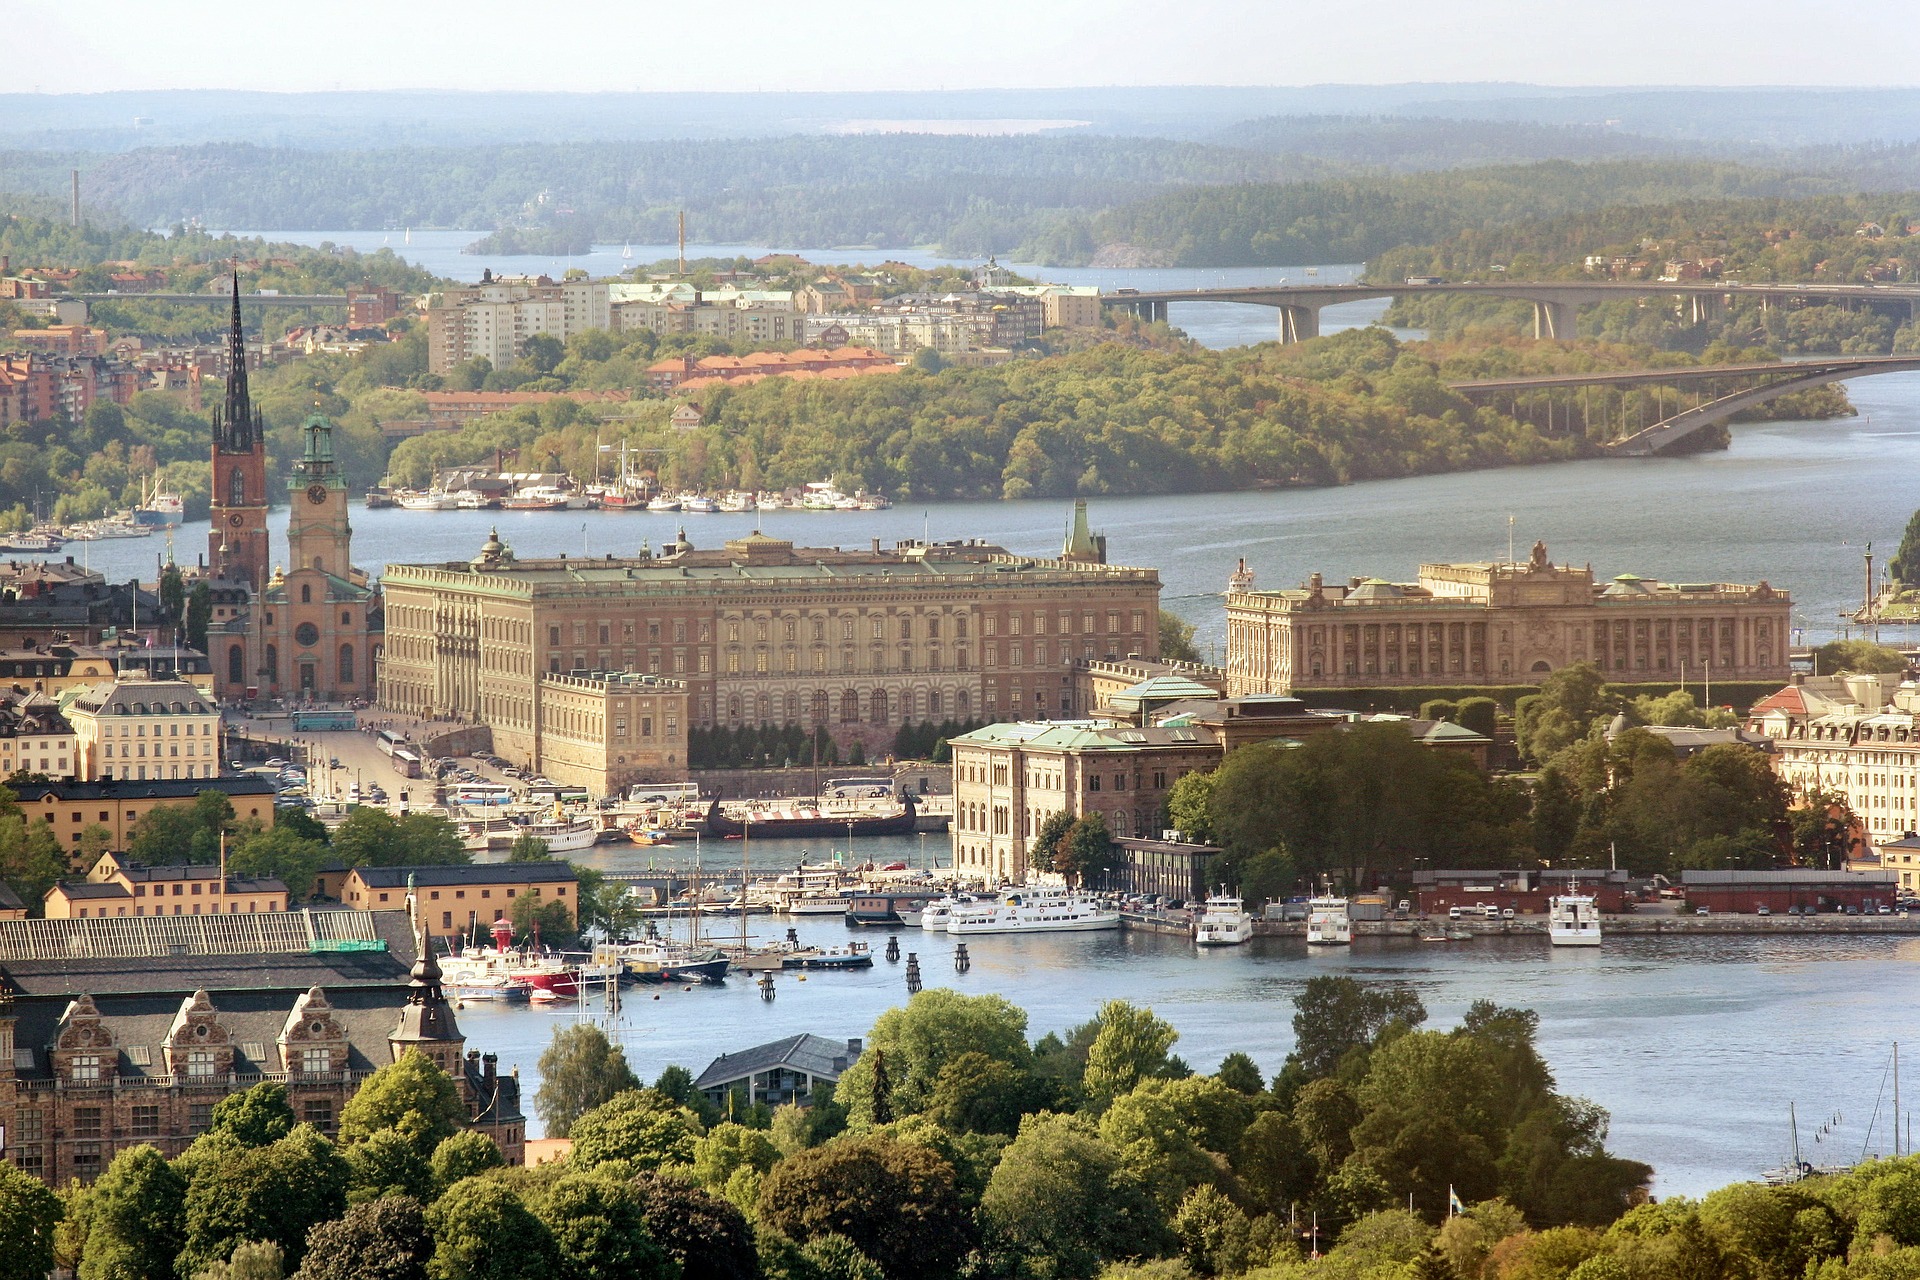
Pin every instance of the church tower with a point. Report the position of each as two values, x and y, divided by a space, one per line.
318 535
237 542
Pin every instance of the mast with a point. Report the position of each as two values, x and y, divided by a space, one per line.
1896 1099
746 829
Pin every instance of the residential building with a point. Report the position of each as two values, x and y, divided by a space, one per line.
163 1017
371 304
56 668
677 371
69 808
1499 623
11 907
117 886
45 387
34 736
763 632
1063 306
62 340
779 1072
493 319
1009 778
902 333
48 604
1853 736
455 901
137 727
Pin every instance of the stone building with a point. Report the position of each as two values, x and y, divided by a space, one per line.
1499 623
69 808
1856 737
119 1032
763 632
135 728
605 730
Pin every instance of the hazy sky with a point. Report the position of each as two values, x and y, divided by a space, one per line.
75 46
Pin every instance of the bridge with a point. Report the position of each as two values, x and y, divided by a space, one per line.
1556 304
1700 394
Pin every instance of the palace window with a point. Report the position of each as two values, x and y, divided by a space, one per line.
85 1069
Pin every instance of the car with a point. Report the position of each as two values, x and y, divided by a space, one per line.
1763 910
1853 911
1453 913
1883 910
511 772
1701 911
1507 914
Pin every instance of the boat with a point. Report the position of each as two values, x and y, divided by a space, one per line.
108 528
674 962
886 909
1573 920
378 497
820 495
822 903
622 500
770 502
935 916
874 502
159 509
648 836
506 969
423 500
1223 923
30 542
736 502
538 498
852 956
699 503
472 500
663 502
812 821
1043 908
492 987
563 834
1328 924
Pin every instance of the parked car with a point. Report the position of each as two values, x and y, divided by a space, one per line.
1763 910
1701 911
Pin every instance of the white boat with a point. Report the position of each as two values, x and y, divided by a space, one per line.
1328 924
698 503
664 502
471 500
1046 908
736 502
428 500
936 914
538 498
770 502
1573 920
1224 922
31 542
820 495
824 903
563 834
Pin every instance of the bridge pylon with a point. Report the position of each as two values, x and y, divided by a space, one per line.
1554 319
1298 323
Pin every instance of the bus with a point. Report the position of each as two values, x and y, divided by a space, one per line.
387 740
684 794
406 763
481 795
324 721
553 792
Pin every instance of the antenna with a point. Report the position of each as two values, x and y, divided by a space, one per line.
1510 559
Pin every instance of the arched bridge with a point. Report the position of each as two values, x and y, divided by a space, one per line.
1702 395
1555 304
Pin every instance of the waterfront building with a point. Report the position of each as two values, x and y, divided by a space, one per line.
492 320
1809 889
779 1072
1853 736
855 641
69 808
1166 864
604 730
137 1042
1526 892
455 901
136 727
1501 623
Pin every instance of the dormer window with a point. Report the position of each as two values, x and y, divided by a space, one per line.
85 1068
201 1064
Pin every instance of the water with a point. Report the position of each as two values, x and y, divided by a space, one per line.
1695 1045
1214 324
1791 502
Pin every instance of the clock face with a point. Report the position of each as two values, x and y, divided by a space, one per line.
316 493
235 520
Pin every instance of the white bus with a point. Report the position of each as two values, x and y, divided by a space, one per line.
684 794
482 795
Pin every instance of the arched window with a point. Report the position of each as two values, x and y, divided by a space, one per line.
962 703
933 704
236 488
849 707
879 707
822 706
306 593
346 664
236 665
793 708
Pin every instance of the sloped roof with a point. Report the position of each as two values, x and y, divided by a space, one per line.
819 1057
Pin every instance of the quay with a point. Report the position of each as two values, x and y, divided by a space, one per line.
1611 926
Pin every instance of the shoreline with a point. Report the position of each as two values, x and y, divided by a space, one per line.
1611 926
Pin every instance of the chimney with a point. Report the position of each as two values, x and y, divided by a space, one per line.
854 1045
489 1066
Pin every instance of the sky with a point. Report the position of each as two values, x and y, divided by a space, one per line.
759 45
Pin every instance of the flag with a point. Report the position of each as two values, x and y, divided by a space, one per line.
1454 1207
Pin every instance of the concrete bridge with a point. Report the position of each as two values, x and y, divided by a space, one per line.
1556 304
1711 402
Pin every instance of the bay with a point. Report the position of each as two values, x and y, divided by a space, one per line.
1696 1046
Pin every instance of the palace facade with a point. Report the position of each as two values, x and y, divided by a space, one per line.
758 631
1500 623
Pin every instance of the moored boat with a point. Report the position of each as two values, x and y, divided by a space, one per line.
811 821
1328 924
1573 920
1223 923
1034 909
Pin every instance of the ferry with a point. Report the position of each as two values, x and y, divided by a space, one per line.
537 499
159 509
427 500
820 495
1573 920
812 821
1224 922
31 542
821 903
1034 909
663 502
564 835
1328 924
699 504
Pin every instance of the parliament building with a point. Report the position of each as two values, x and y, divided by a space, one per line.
1501 623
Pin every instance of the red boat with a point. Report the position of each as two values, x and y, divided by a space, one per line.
561 981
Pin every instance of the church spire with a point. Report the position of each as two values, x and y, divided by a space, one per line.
237 419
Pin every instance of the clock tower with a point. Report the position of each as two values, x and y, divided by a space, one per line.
237 542
318 535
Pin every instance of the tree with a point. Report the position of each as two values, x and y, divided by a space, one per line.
936 1026
138 1218
579 1070
1190 806
482 1231
1132 1044
412 1096
1569 701
1213 1232
977 1094
1087 851
1333 1016
199 615
548 923
31 858
464 1155
250 1260
641 1126
1176 638
283 852
388 1164
1823 827
898 1202
384 1239
1061 1197
274 1193
1240 1073
708 1237
1478 714
728 1148
372 837
173 593
1046 841
600 1232
528 847
1859 656
256 1117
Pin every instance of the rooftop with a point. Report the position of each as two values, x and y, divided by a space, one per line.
476 873
819 1057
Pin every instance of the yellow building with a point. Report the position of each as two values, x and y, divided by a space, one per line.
455 901
116 886
139 728
71 807
1500 623
35 737
605 730
54 669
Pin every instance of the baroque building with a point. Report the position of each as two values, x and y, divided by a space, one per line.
1500 623
312 629
759 631
124 1031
